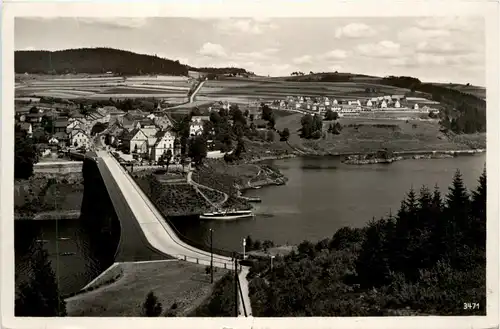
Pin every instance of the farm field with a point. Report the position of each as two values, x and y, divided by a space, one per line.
272 89
101 87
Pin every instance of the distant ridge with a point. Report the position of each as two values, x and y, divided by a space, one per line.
102 60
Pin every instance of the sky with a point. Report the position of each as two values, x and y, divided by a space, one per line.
437 49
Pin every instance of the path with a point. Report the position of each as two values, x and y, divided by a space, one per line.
196 187
242 277
191 98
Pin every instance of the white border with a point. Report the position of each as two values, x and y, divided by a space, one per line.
238 8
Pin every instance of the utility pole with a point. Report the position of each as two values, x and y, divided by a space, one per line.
235 285
211 257
244 244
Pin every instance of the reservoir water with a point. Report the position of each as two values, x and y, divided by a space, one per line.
323 195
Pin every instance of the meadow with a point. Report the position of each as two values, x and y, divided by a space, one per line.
239 89
102 87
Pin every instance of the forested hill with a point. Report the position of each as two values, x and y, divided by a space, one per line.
101 60
94 60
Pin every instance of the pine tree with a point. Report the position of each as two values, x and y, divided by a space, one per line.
478 213
151 306
39 297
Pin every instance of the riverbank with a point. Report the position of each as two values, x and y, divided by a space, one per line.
181 288
51 197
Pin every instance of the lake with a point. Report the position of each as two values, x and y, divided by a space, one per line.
323 195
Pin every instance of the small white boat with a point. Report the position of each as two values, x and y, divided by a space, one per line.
227 215
63 239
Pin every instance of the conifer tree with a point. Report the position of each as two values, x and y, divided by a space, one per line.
151 306
478 212
39 296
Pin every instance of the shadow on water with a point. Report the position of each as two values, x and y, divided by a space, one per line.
79 249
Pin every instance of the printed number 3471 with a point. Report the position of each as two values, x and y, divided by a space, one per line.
471 306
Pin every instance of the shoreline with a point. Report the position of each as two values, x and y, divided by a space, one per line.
50 215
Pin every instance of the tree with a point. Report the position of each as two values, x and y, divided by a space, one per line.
39 296
25 155
151 307
246 113
267 112
98 128
270 136
240 148
198 149
168 158
284 135
330 115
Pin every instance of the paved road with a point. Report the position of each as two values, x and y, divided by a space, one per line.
242 276
156 230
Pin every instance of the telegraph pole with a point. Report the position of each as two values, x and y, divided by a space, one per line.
235 285
244 244
211 257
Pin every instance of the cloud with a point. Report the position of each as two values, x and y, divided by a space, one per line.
442 48
335 54
212 50
415 33
438 60
386 48
451 23
306 59
355 30
115 22
244 25
265 54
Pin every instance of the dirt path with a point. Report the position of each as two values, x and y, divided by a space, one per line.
196 187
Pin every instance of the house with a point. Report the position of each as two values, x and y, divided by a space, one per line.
196 125
415 107
165 141
34 117
60 125
163 121
61 137
53 140
27 128
350 109
397 104
369 103
136 141
383 105
79 138
335 102
75 124
74 115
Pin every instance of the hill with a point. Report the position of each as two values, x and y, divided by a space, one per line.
102 60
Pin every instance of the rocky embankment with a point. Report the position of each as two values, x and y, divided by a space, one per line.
366 159
48 197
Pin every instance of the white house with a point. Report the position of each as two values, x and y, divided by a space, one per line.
383 104
79 138
196 126
164 142
53 140
415 107
75 124
163 121
335 102
138 141
369 103
397 104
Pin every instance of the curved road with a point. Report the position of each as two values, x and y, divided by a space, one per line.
156 230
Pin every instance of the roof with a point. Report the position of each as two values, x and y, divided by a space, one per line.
75 114
149 132
200 117
60 135
25 125
61 123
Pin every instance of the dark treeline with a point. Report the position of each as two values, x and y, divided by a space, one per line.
463 113
219 70
319 77
95 60
429 258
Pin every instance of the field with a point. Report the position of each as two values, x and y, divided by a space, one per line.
473 90
251 89
172 88
365 134
173 282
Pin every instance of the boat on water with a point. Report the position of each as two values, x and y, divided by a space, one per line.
42 241
68 253
63 239
227 215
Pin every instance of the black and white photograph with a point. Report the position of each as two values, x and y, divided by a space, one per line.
249 167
